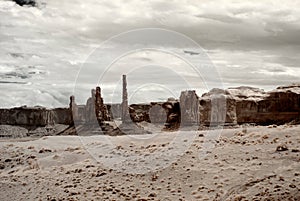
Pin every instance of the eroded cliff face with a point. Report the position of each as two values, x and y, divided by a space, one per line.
35 116
189 108
282 105
139 112
217 107
172 108
251 105
164 113
157 114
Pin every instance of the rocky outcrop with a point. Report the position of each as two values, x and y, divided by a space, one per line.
129 116
157 114
251 105
90 112
102 113
125 109
189 108
139 112
35 116
217 107
172 108
74 110
7 131
279 106
61 116
165 113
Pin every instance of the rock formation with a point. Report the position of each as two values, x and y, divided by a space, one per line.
172 108
279 106
251 105
128 126
35 116
189 108
73 109
213 108
90 112
100 108
139 112
157 114
125 109
103 117
232 106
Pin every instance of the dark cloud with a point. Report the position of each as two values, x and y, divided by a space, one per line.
11 82
25 2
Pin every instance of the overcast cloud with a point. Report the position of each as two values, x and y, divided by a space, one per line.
42 49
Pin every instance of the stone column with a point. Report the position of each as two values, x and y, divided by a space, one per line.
189 108
125 109
218 109
90 108
50 117
100 108
73 109
98 104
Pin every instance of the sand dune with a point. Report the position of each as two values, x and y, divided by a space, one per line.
254 163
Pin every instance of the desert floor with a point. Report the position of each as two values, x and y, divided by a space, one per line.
253 163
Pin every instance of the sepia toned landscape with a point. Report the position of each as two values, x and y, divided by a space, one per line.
195 100
249 151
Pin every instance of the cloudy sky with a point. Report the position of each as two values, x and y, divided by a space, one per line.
65 47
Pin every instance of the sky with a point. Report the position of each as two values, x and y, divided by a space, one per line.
60 48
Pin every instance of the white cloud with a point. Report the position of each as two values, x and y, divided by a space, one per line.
247 41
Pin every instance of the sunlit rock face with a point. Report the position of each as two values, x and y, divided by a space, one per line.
217 107
279 106
250 105
189 108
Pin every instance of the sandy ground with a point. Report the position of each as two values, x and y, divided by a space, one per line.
254 163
